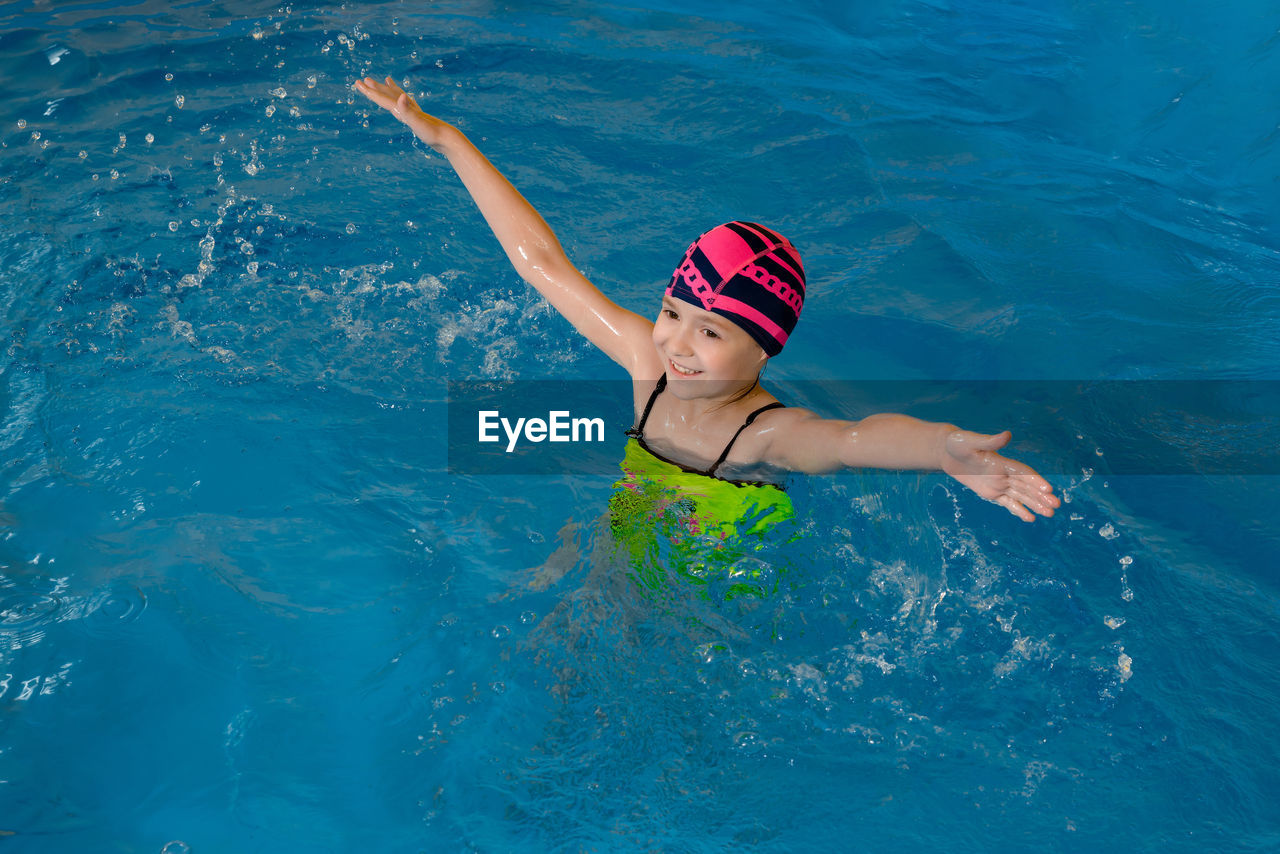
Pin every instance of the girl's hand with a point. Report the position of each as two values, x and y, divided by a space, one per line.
971 458
392 98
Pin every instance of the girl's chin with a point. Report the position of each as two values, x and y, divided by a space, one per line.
699 385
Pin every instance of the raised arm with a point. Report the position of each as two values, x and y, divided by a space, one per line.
528 241
807 443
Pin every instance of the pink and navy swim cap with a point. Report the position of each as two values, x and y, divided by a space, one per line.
747 274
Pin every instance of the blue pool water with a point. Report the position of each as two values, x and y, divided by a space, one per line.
245 605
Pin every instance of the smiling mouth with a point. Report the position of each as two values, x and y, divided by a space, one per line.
684 372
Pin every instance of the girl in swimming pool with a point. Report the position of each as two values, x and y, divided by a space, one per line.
730 306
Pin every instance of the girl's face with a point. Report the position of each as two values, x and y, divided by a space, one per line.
705 355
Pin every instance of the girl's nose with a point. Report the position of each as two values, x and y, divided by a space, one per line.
680 342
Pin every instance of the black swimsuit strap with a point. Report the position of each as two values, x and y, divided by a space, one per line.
637 432
752 417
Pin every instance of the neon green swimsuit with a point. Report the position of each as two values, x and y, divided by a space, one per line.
706 527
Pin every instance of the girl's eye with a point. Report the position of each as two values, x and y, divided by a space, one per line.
710 333
671 314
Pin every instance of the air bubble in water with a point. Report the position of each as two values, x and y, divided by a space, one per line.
311 82
83 154
35 136
178 101
351 228
150 138
173 226
22 124
168 76
177 846
271 110
278 92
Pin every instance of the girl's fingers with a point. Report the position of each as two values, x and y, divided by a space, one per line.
1015 507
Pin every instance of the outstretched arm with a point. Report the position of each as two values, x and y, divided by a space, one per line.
528 241
812 444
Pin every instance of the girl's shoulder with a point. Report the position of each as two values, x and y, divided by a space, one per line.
770 426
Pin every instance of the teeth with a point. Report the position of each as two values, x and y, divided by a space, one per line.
681 370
